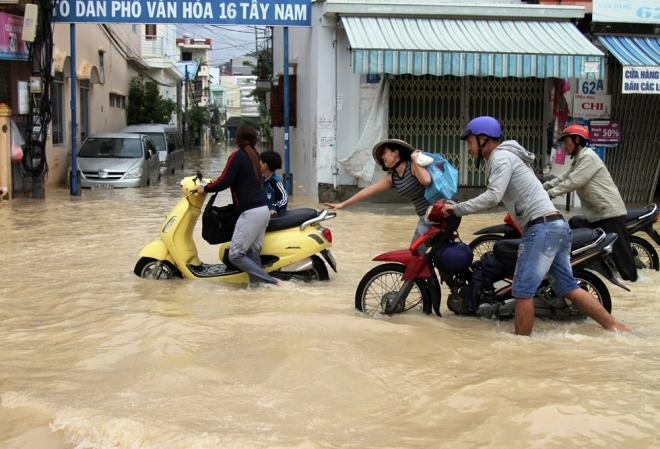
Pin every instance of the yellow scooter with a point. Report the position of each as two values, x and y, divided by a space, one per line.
290 250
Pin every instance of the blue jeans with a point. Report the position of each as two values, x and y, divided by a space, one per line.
545 249
422 227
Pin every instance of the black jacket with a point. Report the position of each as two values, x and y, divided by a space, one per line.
240 178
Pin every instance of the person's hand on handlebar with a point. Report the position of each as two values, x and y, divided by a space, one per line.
200 191
447 209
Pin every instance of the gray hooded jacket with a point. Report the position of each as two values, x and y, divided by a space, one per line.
511 180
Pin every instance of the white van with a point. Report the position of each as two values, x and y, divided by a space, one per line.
168 142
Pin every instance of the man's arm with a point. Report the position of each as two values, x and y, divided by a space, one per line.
576 178
500 175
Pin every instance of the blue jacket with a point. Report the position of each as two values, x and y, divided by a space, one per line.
276 194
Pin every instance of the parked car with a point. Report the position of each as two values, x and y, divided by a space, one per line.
168 142
113 160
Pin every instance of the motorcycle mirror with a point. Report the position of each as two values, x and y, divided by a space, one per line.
198 176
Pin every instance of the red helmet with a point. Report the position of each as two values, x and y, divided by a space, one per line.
575 130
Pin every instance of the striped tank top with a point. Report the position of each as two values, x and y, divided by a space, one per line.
411 189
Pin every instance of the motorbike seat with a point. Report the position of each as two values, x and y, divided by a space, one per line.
291 219
508 248
632 216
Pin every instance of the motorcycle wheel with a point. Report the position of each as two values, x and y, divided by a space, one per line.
386 279
594 285
645 253
484 243
146 268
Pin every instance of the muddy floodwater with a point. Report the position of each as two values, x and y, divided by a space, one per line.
93 357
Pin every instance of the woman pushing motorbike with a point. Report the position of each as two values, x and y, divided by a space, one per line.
399 159
546 242
242 175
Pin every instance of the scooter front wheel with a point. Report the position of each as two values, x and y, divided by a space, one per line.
386 280
155 269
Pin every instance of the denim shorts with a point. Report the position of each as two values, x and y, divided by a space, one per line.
545 249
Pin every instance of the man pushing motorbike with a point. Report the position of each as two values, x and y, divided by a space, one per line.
600 198
546 241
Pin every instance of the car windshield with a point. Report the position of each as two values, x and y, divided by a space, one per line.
158 139
111 147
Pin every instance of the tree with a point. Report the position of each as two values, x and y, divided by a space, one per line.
198 116
263 71
146 104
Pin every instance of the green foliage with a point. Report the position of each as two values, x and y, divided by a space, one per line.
197 117
146 104
262 70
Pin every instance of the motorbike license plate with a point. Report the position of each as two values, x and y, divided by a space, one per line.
102 186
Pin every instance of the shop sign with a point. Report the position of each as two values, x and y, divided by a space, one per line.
12 46
641 80
591 87
592 106
605 132
626 11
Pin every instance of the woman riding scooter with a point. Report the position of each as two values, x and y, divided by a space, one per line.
600 198
242 175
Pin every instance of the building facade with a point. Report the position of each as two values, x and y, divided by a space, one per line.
419 71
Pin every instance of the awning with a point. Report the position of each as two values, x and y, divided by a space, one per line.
633 51
516 48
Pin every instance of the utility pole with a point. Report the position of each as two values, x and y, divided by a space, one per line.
185 113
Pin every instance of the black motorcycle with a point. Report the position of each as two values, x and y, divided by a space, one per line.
637 220
408 280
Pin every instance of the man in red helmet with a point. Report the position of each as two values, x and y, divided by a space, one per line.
601 201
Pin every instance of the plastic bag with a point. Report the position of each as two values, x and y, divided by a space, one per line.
16 153
444 179
17 143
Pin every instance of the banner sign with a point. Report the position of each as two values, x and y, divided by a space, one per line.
592 106
627 11
641 80
605 132
254 12
12 46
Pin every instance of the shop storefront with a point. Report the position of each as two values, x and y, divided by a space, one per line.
633 71
420 72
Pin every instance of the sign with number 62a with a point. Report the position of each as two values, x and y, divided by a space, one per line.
591 87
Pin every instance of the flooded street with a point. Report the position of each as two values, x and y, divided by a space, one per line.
94 357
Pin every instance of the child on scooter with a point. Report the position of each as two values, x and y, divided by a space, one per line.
273 188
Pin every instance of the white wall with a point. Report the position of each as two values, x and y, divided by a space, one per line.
323 69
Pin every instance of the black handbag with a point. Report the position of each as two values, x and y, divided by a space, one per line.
218 223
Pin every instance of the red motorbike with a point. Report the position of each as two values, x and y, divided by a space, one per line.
408 280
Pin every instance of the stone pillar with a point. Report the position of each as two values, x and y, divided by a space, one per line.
5 152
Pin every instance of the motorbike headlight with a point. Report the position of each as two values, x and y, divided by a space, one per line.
134 173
